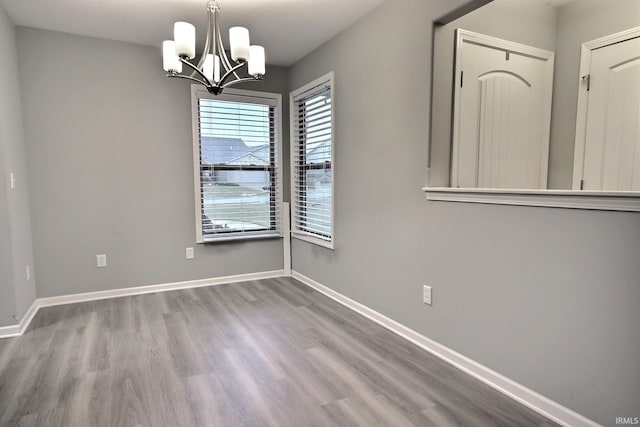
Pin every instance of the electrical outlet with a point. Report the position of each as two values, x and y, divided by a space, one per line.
190 253
28 271
101 261
426 294
12 180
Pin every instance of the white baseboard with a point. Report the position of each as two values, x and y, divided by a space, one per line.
28 317
17 330
531 399
140 290
10 331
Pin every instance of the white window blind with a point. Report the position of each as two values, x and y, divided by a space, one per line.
312 161
237 162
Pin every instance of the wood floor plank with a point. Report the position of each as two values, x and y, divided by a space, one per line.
128 402
209 406
301 370
99 411
262 353
245 392
78 399
371 400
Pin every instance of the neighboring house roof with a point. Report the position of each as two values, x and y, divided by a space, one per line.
249 159
233 151
320 153
215 150
256 156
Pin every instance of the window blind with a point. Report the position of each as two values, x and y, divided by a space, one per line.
238 167
312 163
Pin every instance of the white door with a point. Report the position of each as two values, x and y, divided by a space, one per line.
612 128
502 113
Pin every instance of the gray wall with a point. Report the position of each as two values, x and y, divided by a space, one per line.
110 165
8 301
535 27
546 296
16 292
578 22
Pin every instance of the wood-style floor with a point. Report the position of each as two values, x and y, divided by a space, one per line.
262 353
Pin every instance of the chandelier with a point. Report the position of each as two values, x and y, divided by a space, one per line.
214 70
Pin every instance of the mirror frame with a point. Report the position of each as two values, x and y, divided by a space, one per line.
626 201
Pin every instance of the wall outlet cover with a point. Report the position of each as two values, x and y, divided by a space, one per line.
101 261
426 294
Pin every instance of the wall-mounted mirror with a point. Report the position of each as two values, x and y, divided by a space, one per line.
511 77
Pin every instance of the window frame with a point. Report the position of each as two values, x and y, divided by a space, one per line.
237 95
308 89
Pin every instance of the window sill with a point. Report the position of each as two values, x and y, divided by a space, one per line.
221 238
311 239
595 200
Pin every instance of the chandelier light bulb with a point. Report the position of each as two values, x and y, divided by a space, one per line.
207 67
239 40
216 69
184 35
170 61
211 68
256 61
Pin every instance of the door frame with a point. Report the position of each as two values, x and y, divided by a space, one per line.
466 36
583 96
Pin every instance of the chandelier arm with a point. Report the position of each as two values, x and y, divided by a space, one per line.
212 29
244 79
180 76
228 73
207 46
205 81
224 58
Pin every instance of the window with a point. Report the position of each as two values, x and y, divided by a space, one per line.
237 164
312 181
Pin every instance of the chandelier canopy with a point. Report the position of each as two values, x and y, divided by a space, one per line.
214 70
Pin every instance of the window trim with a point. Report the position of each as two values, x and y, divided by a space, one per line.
296 232
236 95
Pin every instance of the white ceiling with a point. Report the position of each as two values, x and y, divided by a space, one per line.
288 29
556 3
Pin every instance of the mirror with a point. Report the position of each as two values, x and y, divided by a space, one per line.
560 27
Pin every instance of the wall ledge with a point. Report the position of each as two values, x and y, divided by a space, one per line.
625 201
